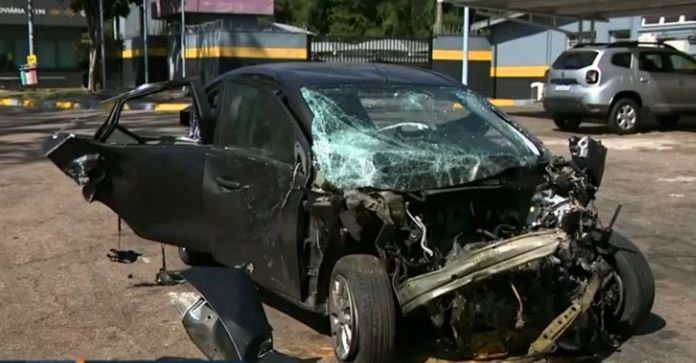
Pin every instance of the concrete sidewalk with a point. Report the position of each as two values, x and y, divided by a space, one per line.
89 103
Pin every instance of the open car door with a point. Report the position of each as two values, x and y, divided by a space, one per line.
153 183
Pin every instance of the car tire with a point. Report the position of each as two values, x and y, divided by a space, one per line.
361 311
567 123
625 116
638 286
193 258
667 121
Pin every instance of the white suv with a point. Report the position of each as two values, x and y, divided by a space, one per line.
620 83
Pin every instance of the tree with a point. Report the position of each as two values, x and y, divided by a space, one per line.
112 8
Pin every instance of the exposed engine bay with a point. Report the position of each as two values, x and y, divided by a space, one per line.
512 265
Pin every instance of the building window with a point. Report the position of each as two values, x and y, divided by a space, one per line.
651 20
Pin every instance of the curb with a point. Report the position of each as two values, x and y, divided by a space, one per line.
33 104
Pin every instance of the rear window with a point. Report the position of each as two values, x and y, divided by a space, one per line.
575 60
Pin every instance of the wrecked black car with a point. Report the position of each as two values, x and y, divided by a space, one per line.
370 193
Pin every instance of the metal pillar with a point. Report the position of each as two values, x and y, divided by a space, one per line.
146 56
592 31
183 39
101 42
30 25
465 47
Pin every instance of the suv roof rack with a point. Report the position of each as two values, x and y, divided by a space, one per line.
624 44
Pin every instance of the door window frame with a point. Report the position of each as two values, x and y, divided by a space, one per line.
257 82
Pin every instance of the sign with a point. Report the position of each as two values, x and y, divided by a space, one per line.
46 12
31 59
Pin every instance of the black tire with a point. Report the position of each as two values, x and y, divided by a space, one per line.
567 123
667 121
627 126
193 258
638 286
374 317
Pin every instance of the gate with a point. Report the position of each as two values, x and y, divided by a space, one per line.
405 51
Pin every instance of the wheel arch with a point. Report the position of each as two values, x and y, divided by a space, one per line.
632 95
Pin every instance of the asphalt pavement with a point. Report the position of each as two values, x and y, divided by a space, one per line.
62 297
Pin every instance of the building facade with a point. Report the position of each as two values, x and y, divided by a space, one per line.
57 35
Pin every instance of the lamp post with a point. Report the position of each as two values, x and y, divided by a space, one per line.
146 52
30 25
183 39
465 47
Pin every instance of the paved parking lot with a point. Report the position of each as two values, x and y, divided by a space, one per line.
62 298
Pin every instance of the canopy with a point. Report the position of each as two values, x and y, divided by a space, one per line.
587 9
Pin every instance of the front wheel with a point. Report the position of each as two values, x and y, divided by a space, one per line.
637 286
362 313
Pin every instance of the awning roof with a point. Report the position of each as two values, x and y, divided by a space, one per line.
588 9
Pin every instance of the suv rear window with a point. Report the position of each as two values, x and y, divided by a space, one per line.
575 60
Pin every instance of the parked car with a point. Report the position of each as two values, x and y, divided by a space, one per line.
365 193
621 83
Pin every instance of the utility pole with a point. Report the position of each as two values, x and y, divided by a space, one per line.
146 20
30 25
101 42
183 39
437 29
465 47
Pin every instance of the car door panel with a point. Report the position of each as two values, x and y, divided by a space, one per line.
270 204
659 87
251 196
135 181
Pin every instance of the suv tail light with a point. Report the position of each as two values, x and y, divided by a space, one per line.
592 76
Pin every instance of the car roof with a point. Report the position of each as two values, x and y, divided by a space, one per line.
298 74
292 76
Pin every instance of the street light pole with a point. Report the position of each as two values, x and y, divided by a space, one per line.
146 20
183 39
465 47
101 42
30 25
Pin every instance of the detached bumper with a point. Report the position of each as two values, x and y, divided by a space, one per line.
480 264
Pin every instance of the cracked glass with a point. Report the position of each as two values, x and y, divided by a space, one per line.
410 137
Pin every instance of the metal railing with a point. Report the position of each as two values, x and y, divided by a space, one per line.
406 51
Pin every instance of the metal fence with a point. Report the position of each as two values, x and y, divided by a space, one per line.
407 51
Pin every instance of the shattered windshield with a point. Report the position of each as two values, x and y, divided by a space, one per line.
410 137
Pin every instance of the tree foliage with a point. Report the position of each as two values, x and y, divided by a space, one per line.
361 17
112 8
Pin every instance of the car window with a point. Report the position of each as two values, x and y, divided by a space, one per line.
621 60
236 100
575 59
652 62
681 63
269 126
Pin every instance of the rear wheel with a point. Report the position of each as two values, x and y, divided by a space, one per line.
624 117
637 286
667 121
362 312
567 123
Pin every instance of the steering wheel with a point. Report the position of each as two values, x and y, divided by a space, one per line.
418 125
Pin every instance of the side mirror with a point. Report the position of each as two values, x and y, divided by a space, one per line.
185 116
